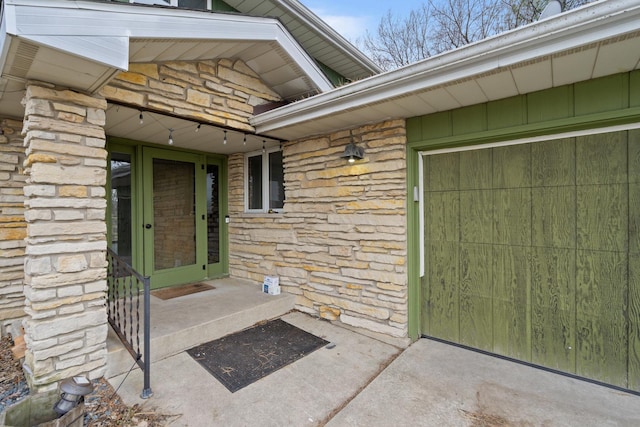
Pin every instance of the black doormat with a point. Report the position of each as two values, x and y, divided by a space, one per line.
240 359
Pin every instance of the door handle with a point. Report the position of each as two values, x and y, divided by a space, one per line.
147 226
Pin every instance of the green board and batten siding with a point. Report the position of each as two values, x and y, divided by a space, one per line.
532 251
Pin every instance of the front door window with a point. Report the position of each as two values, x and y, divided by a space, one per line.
174 215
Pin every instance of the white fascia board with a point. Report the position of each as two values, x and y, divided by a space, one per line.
86 23
328 33
110 51
588 24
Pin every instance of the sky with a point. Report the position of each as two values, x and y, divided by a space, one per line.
352 18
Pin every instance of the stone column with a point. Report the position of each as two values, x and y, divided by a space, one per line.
12 225
65 265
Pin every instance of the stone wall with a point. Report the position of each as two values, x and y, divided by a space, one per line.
65 265
13 227
340 243
221 92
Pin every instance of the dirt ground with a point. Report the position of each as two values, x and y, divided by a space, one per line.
103 407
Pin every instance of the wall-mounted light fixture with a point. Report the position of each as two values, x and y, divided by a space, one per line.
352 151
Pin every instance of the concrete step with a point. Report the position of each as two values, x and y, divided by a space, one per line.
185 322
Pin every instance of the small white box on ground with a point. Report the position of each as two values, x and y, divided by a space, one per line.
272 280
270 289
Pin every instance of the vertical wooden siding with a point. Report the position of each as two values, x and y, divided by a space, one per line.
532 253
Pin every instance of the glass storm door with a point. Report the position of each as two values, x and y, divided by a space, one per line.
174 217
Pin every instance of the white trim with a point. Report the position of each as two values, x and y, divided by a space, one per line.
541 138
421 211
572 134
265 181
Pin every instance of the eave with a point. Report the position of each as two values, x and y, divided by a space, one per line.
83 44
596 40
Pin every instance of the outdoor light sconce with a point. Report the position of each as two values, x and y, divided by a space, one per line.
352 151
72 393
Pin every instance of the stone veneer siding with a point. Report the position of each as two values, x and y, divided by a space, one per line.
13 228
221 92
65 266
340 242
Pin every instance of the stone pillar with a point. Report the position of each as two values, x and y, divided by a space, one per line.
12 225
65 265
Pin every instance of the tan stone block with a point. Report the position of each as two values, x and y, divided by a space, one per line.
70 117
40 107
13 233
38 266
372 325
218 88
66 228
240 106
131 77
73 191
70 108
64 325
39 92
39 158
329 313
52 125
198 98
149 70
164 87
96 116
57 174
123 95
71 263
68 215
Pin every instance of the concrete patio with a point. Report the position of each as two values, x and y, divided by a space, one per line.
362 381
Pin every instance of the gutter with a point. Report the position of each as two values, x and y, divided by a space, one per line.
588 24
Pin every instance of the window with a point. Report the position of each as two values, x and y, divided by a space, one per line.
264 184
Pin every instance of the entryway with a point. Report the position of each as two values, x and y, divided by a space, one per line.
531 251
166 212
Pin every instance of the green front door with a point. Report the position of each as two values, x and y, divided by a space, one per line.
531 252
167 213
174 217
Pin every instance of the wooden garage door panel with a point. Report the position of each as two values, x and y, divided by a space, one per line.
532 251
553 308
601 305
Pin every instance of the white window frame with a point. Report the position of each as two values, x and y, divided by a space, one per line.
173 3
265 181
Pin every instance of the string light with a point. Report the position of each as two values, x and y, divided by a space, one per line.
225 138
198 127
141 118
170 136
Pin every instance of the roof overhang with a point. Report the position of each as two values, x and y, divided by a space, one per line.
318 38
83 44
596 40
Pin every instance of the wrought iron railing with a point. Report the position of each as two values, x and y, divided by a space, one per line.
125 289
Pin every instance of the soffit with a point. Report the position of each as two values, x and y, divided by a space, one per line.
83 44
319 39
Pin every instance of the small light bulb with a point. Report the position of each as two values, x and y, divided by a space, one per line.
170 136
198 127
225 138
141 118
351 159
244 140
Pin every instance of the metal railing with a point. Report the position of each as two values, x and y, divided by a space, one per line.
125 289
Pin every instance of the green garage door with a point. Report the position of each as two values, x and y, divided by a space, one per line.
532 251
